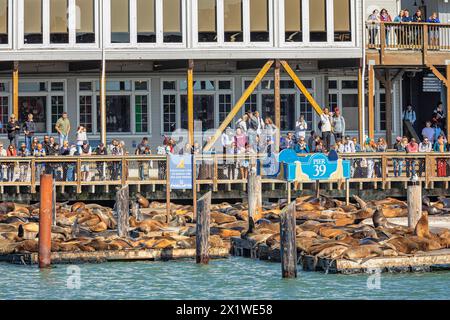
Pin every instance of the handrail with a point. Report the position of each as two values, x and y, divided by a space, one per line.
210 169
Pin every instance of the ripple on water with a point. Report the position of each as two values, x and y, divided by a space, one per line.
234 278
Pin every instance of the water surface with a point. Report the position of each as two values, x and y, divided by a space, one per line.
234 278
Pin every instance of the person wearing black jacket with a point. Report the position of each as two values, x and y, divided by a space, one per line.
13 129
29 128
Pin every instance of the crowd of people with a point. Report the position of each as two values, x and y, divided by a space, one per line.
252 135
404 16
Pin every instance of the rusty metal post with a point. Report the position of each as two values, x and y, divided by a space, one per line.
45 221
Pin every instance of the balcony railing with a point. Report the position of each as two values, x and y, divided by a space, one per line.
408 36
216 171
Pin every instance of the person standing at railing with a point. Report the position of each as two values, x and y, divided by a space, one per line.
400 147
13 129
3 154
326 127
428 132
406 17
101 166
439 117
86 151
441 147
39 152
417 17
287 142
140 150
398 29
385 17
381 146
65 151
373 26
29 128
424 147
62 126
370 146
12 152
338 124
411 148
23 166
81 137
301 147
433 30
301 126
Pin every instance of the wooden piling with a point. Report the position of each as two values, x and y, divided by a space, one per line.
123 211
136 211
414 203
203 229
45 221
254 191
288 247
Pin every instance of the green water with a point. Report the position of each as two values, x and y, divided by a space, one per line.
234 278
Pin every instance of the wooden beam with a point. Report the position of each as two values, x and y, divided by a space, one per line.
16 90
448 100
439 75
277 102
190 101
103 104
361 94
388 94
301 87
239 104
371 105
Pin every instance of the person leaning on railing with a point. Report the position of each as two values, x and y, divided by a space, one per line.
400 147
385 17
424 147
433 30
373 26
412 147
3 154
381 147
11 152
23 166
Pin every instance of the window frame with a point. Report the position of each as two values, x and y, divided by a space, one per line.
306 27
46 28
48 94
133 27
7 94
9 45
220 27
259 91
178 93
94 93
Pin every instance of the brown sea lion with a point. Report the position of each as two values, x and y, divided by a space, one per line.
77 206
404 245
422 229
143 202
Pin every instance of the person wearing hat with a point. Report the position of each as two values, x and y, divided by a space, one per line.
13 129
338 123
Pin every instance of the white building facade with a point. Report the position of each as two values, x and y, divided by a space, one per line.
59 45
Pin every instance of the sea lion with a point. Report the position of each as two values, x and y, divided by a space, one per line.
77 206
445 202
378 218
422 229
144 203
404 245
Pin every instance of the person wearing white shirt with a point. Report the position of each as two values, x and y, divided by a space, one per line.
301 126
424 147
325 122
349 146
260 123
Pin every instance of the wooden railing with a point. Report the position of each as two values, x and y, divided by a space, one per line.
212 170
408 36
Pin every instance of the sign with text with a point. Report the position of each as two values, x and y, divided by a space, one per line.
180 172
315 167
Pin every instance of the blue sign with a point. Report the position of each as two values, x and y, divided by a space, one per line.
313 168
180 172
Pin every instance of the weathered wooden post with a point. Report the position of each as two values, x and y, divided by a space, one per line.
136 211
168 188
288 247
414 202
123 211
203 230
45 221
254 195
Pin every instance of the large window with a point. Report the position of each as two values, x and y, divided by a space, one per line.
146 26
85 21
4 21
233 24
293 20
120 21
207 21
212 102
59 27
343 94
45 100
32 21
127 106
318 20
293 102
259 21
172 21
342 20
4 105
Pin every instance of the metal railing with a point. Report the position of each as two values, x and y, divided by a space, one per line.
408 36
213 170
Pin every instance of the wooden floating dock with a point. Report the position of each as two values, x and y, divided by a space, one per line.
109 256
423 261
